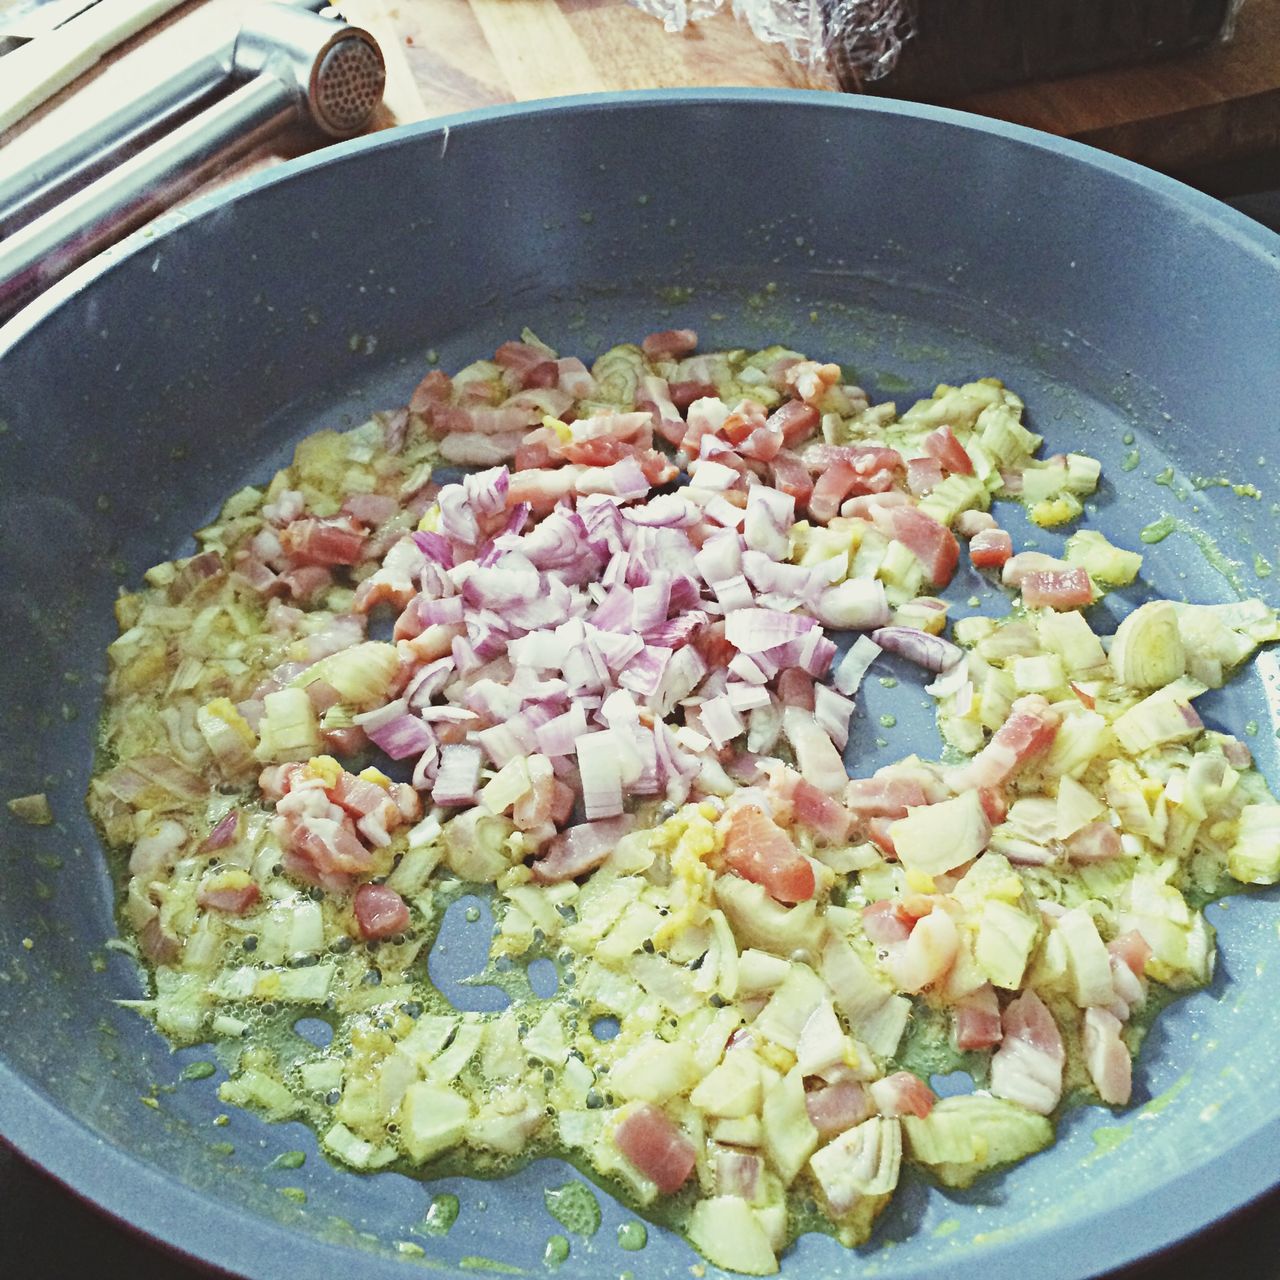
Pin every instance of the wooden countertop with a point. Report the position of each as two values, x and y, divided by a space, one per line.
1180 115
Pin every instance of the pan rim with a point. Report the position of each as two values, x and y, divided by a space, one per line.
186 1220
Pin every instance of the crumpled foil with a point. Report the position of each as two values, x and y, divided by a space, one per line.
859 39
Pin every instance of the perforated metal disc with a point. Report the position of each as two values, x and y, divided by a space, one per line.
348 83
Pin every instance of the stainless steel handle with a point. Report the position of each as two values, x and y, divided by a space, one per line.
33 177
300 64
48 248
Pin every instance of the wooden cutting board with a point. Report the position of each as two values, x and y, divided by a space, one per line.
1179 115
1217 106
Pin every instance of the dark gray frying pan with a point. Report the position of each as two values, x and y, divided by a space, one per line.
911 244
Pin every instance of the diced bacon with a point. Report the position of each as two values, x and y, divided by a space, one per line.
580 849
791 476
761 851
530 365
157 943
893 790
1066 589
795 689
712 647
902 1094
435 389
323 851
683 394
950 453
932 543
885 923
653 1143
1095 842
864 507
1027 1068
251 573
1106 1057
542 489
471 449
875 464
1027 733
796 420
360 798
995 804
380 912
975 1020
670 344
1133 950
307 582
808 807
547 800
830 489
313 541
923 475
395 427
1086 698
232 900
927 955
277 780
1025 563
990 548
969 523
371 508
575 378
345 742
837 1107
877 831
810 381
738 1173
445 420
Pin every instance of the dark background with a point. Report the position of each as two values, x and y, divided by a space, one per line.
46 1233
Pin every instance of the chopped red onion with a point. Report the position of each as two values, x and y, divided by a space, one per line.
770 515
223 834
486 491
679 679
643 674
557 736
720 557
747 669
402 737
616 649
625 480
600 767
746 697
725 513
457 520
925 650
459 775
733 593
832 711
705 473
720 721
853 666
435 546
753 631
667 510
424 772
446 611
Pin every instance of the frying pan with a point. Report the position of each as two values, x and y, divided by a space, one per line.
912 244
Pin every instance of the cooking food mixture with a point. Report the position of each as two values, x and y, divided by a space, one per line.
620 703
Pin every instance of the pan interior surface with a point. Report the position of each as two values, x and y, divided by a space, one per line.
911 245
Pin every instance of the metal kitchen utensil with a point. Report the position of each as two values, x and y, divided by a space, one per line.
302 66
35 175
1135 315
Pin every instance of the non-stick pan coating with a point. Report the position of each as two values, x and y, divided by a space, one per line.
911 244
